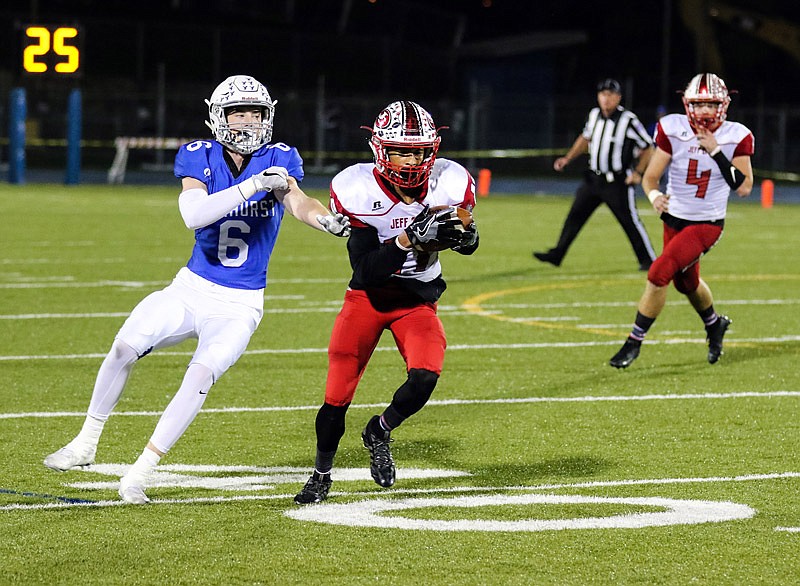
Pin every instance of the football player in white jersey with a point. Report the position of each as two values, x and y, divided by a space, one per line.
395 284
708 156
234 191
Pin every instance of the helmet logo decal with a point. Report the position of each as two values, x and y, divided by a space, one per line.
246 84
382 121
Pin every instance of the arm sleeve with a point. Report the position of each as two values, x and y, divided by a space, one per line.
373 262
199 209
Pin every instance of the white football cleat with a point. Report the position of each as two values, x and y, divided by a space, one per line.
74 455
131 492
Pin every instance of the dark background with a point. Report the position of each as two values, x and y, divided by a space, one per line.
502 74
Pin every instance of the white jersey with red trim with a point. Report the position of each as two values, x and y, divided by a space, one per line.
697 190
358 193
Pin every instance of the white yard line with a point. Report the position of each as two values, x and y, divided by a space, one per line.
334 305
454 347
440 402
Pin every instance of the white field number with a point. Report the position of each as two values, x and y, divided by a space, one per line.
388 510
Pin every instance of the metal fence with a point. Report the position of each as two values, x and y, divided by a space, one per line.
326 128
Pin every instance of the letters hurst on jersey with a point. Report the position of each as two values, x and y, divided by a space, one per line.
357 193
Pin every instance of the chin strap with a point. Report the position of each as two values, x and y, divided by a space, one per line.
731 174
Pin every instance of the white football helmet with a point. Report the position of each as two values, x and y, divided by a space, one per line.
240 90
404 124
706 88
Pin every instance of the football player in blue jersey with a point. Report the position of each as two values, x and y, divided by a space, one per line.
234 193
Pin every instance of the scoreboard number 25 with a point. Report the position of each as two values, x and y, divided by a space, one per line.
51 49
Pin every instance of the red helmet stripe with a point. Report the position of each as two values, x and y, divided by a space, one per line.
412 123
703 85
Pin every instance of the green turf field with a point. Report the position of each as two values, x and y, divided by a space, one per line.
535 462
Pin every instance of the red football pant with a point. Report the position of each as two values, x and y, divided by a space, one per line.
417 330
680 259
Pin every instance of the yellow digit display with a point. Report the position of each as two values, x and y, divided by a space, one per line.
51 49
40 48
62 47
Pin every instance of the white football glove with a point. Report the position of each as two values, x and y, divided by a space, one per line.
336 224
272 179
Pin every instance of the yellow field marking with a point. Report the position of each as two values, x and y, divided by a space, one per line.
473 304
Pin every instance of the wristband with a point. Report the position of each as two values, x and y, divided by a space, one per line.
401 247
732 176
653 194
715 151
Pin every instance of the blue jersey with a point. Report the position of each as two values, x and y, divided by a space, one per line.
234 251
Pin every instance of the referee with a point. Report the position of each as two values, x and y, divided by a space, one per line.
612 136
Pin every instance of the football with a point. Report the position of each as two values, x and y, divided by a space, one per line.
465 216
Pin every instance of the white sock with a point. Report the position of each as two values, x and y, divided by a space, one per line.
91 430
142 468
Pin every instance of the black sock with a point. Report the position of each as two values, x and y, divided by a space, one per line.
324 462
640 326
709 316
391 418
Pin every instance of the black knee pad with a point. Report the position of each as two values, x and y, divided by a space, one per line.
415 392
423 381
330 426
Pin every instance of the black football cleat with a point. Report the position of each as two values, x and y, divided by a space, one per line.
714 335
627 354
549 256
315 490
381 464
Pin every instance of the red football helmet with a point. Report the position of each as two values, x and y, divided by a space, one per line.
706 88
404 124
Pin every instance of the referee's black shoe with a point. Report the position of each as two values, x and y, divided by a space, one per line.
715 333
552 257
627 354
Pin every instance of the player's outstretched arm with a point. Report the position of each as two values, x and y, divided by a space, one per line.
310 211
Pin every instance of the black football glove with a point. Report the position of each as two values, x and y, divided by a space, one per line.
468 238
432 231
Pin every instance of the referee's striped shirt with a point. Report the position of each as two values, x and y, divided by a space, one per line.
612 140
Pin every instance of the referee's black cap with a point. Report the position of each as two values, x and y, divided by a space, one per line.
609 84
